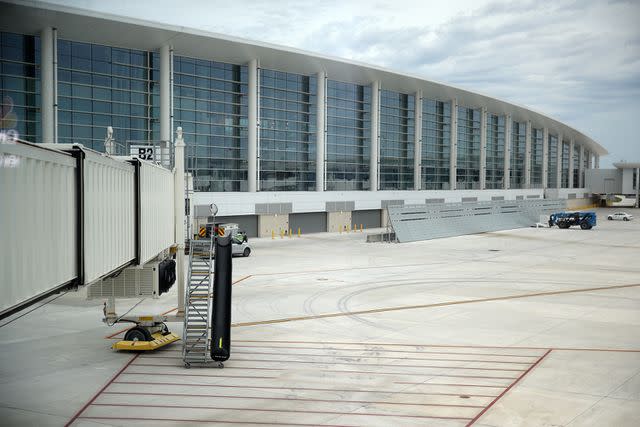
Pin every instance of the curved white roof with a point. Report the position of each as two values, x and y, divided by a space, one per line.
30 17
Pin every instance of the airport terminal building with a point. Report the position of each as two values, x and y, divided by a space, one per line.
276 137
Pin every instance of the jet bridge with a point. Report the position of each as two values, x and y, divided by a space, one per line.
71 216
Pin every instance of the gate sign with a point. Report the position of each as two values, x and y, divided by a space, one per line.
143 152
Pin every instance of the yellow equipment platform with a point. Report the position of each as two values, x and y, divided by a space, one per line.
158 341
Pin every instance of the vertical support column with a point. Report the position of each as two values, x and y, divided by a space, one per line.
483 148
252 127
545 157
48 85
508 124
571 145
321 134
637 187
559 161
581 168
527 158
375 135
165 93
453 161
596 161
417 153
179 197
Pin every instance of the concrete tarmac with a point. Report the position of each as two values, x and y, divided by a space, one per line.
527 327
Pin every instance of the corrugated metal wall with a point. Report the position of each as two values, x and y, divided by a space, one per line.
368 218
312 222
37 222
109 211
156 210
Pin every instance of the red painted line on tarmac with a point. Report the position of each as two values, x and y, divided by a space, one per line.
450 384
477 417
387 357
158 365
242 278
95 396
164 374
234 345
291 411
225 396
277 388
212 422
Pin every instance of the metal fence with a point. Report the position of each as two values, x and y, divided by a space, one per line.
435 220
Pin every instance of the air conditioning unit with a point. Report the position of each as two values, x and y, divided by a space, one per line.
152 280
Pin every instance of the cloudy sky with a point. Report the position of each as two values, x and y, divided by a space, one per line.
575 60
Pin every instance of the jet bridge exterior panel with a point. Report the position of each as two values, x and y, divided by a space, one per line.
156 210
432 221
109 213
37 222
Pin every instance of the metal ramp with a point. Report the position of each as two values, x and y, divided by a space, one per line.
196 336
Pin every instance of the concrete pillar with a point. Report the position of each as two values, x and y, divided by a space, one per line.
417 154
545 157
483 148
321 134
273 225
571 145
178 200
581 168
166 80
337 221
508 124
453 161
252 127
374 166
596 161
559 161
527 158
48 85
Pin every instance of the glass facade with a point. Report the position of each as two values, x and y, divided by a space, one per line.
100 86
348 147
518 154
565 164
397 140
20 85
287 131
210 103
436 144
495 151
468 165
576 166
552 162
537 136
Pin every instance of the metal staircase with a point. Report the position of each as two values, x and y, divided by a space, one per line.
196 336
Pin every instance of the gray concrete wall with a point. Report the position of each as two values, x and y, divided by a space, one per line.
627 181
277 223
337 221
601 181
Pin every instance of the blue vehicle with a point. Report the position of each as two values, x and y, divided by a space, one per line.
586 220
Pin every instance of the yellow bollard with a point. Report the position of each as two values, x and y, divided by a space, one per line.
340 229
298 231
349 228
273 234
281 234
290 233
361 228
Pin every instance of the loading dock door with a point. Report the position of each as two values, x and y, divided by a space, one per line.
368 218
248 223
311 222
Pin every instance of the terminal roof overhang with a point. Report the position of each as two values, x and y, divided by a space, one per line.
30 17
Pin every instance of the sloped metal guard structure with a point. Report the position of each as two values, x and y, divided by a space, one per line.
435 220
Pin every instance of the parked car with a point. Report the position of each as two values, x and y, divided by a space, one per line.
620 216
